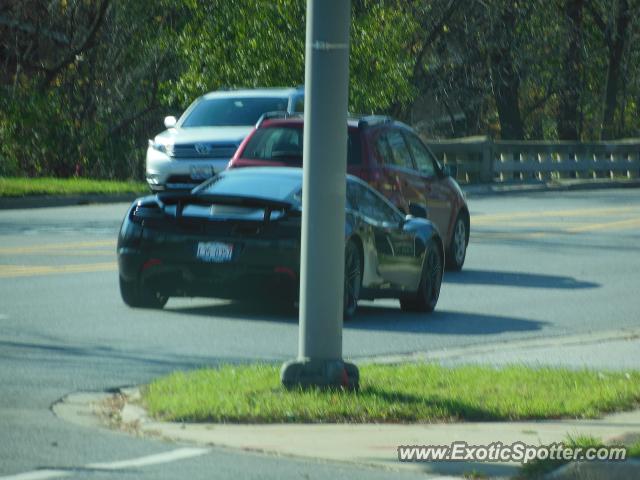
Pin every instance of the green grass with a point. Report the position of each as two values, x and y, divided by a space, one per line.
400 393
634 450
539 468
20 187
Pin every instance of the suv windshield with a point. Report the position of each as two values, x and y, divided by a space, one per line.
218 112
284 144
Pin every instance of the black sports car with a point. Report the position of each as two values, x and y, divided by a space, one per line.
238 235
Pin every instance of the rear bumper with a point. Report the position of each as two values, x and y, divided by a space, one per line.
276 278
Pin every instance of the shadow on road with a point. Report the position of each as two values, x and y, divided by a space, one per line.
439 322
378 317
516 279
261 311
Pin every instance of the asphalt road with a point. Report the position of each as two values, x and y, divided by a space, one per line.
539 265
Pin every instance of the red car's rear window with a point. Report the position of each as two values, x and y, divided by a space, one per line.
284 145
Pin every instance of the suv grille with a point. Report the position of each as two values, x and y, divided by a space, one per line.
204 150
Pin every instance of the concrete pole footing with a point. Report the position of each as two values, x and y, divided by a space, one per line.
324 374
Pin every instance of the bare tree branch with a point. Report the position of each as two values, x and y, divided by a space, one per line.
85 44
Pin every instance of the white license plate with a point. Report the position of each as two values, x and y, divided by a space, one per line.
215 252
201 172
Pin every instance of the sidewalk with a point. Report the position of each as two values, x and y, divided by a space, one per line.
376 444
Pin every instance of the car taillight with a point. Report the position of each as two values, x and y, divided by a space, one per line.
145 211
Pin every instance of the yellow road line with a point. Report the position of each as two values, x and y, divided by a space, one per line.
475 219
75 253
9 271
56 247
505 235
619 225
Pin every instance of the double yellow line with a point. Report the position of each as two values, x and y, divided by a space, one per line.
7 271
55 247
528 219
96 248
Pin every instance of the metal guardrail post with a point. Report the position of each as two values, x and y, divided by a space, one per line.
487 172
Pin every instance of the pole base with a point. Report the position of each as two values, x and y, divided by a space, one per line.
324 374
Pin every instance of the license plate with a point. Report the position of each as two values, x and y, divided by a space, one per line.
201 172
215 252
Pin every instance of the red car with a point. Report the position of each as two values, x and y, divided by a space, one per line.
386 154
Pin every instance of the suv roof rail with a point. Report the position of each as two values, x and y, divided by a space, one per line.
370 120
275 114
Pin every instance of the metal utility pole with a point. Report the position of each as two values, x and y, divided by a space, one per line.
319 360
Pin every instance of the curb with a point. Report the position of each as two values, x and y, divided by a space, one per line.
596 471
42 201
118 410
567 186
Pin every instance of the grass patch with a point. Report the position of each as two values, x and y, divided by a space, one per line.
400 393
20 187
539 468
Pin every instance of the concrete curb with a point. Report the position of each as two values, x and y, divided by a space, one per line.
487 349
537 187
42 201
371 445
597 471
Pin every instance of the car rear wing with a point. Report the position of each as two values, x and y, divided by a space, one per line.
180 200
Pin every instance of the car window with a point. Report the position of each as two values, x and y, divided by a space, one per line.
298 104
284 144
369 204
384 150
399 150
218 112
422 156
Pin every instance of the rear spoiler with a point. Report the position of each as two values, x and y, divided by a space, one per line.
181 199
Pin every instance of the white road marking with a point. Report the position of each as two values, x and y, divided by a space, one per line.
166 457
38 475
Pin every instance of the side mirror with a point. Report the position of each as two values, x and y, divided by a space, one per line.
417 210
450 171
170 121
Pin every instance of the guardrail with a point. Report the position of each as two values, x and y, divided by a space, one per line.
482 160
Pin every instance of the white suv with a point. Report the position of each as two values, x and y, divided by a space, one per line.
203 140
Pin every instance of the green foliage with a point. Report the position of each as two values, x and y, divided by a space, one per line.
262 44
84 84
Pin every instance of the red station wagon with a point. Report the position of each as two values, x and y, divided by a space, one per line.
386 154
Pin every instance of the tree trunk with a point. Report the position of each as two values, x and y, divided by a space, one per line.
570 91
506 81
615 43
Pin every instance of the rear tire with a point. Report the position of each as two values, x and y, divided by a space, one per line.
457 251
136 295
426 298
352 279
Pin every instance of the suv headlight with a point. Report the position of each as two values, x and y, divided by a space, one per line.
166 148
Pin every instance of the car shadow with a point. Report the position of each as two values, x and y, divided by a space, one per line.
516 279
246 310
441 322
378 318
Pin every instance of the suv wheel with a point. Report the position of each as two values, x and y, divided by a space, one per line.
457 250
